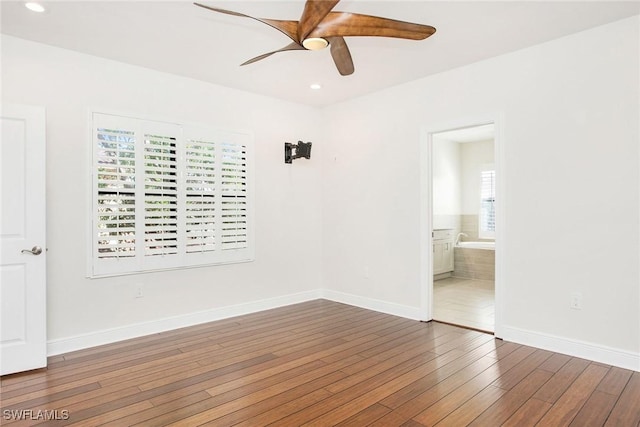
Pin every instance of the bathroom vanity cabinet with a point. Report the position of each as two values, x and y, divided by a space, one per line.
443 241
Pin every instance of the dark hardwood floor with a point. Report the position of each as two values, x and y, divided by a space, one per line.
320 363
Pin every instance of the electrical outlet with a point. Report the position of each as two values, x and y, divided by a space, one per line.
139 293
366 272
576 300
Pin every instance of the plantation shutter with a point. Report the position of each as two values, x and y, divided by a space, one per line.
115 211
487 204
233 187
160 194
168 196
116 198
201 195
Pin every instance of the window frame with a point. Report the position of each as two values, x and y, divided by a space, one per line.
183 131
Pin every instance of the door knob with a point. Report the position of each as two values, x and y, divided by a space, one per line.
36 250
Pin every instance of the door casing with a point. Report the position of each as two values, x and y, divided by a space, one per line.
426 211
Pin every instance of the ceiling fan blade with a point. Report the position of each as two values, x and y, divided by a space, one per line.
288 28
341 56
292 46
344 24
314 12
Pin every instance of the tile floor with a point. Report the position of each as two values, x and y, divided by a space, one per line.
464 302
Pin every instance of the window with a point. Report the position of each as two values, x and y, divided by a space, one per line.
487 226
168 195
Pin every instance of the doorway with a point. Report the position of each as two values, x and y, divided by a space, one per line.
463 224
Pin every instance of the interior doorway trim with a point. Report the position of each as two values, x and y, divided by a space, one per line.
426 211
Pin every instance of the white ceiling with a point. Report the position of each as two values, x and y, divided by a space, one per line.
180 38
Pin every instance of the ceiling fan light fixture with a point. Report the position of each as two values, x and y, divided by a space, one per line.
315 43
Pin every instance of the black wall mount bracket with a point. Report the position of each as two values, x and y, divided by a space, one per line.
296 151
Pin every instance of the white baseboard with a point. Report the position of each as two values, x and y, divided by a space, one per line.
585 350
373 304
107 336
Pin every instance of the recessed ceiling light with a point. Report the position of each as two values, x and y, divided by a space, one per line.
315 86
35 7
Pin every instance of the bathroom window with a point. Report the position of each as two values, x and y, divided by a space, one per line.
487 226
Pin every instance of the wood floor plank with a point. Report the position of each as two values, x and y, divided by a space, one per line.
240 400
408 341
627 410
468 338
341 405
519 372
114 416
411 333
528 414
366 416
596 410
572 400
512 400
321 363
563 378
425 340
87 403
269 374
53 396
166 412
382 323
503 349
457 398
272 367
379 367
555 362
208 372
273 409
470 410
458 378
615 381
350 402
112 362
441 388
459 361
98 408
55 385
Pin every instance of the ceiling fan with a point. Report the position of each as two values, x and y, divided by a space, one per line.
319 27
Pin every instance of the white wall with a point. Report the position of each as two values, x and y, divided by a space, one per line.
288 202
447 191
571 130
474 156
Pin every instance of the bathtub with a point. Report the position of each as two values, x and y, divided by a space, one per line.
474 260
477 245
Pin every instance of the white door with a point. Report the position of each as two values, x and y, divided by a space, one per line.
23 342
